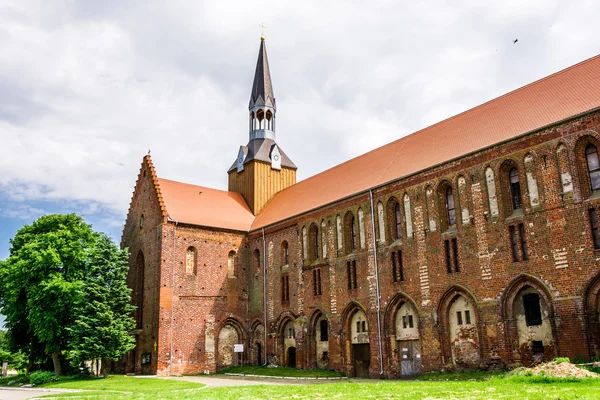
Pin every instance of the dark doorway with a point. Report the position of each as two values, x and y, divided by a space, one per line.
258 354
361 357
291 357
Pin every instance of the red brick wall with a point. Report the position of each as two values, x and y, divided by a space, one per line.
562 265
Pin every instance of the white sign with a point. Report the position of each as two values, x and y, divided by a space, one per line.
238 348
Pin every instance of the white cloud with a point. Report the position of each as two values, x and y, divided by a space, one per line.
89 87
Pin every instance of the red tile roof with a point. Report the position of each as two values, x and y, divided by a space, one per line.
569 92
198 205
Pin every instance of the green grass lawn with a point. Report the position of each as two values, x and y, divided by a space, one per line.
118 387
496 387
281 371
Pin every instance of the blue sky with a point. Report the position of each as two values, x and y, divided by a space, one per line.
87 88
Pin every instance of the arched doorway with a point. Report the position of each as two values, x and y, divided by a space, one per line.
528 315
288 335
592 316
359 342
319 341
229 335
459 322
408 340
257 344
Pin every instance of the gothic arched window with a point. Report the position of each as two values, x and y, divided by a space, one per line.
593 166
397 224
285 253
515 188
450 206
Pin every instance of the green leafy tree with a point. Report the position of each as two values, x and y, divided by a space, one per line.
103 321
40 280
15 359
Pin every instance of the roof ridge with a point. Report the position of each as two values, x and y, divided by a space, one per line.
439 122
191 184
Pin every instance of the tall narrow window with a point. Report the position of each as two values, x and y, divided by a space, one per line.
394 267
513 243
450 206
448 256
533 311
353 233
455 254
594 228
459 320
451 255
593 166
515 188
285 288
467 317
524 251
317 281
190 261
141 222
397 225
324 330
351 270
256 262
285 253
400 270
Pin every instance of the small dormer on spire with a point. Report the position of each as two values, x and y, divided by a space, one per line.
262 101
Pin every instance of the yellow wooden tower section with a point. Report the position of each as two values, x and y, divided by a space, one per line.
262 168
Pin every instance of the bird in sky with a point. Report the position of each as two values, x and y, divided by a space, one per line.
515 41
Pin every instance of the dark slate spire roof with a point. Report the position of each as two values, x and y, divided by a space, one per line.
262 90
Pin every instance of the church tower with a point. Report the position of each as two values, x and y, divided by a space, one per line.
262 168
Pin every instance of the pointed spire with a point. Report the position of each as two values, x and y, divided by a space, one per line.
262 90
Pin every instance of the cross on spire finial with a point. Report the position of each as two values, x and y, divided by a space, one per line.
262 35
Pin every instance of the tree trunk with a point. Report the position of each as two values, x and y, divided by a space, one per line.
105 368
56 362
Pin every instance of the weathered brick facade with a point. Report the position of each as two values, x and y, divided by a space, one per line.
512 274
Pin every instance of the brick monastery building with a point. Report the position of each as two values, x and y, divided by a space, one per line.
472 243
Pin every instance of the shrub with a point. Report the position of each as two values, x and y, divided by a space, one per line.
41 377
560 360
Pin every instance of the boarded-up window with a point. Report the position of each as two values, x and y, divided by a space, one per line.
190 261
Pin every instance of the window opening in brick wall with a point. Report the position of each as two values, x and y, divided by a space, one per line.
397 266
513 243
533 311
397 225
450 206
404 322
448 256
285 288
459 319
190 261
317 281
351 271
515 188
410 321
353 233
537 347
455 254
314 248
256 261
594 228
593 166
451 255
285 252
364 326
524 250
521 241
141 222
324 330
467 317
325 356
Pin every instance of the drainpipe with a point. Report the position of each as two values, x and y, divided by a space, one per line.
376 284
172 298
265 291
